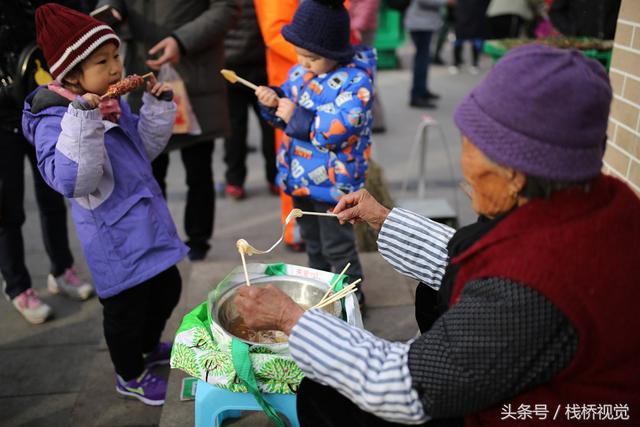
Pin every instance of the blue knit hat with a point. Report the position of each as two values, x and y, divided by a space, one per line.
321 27
542 111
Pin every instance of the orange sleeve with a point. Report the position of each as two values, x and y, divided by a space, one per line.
272 16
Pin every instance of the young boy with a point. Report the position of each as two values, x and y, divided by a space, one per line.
98 154
325 110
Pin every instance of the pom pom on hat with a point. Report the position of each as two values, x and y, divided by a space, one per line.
67 37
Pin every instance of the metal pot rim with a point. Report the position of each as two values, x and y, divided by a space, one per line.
231 288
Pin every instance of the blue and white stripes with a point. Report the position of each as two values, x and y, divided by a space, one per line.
415 246
372 372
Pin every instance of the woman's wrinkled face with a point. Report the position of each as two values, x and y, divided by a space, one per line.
315 63
494 188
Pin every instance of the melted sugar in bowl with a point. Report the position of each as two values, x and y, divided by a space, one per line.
304 291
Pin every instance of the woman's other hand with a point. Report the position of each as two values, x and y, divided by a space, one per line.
267 308
169 51
361 206
267 96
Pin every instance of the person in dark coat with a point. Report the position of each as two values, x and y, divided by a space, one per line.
17 37
244 53
585 18
188 34
471 25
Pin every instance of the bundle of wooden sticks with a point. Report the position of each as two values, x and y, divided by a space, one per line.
330 296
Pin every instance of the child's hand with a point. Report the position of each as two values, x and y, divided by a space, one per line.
91 100
267 96
159 89
285 109
156 88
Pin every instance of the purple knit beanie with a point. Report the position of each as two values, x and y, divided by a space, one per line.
542 111
321 27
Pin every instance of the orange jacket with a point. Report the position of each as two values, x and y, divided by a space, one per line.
272 16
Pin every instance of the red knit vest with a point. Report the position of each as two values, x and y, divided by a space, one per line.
581 250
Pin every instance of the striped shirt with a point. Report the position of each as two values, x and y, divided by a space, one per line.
370 371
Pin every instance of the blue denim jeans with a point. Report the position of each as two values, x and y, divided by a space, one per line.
422 41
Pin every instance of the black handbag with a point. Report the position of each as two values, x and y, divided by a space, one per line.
27 73
399 5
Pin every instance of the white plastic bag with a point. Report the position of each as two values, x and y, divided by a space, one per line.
186 120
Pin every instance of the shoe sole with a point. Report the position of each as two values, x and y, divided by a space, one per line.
32 320
36 321
53 288
141 398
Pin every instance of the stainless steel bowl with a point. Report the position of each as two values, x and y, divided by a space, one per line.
305 292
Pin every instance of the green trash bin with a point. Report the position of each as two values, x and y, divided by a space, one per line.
389 36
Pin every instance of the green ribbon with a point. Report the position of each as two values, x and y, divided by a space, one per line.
244 370
337 287
279 269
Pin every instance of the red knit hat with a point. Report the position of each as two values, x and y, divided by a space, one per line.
68 37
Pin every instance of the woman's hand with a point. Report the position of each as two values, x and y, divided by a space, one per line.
157 88
267 96
267 308
285 109
361 206
170 52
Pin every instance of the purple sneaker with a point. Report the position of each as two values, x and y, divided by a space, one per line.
148 388
159 356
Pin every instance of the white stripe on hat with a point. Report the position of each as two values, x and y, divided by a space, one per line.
77 44
88 51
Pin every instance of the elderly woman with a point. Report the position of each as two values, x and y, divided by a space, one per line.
539 296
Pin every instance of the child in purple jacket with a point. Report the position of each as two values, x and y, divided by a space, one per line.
98 154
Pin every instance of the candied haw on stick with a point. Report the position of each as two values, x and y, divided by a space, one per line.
125 85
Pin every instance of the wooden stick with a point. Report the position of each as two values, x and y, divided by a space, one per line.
338 295
335 296
231 76
149 74
348 290
244 266
247 83
333 300
319 213
334 281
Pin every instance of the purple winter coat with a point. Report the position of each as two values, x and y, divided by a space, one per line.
104 168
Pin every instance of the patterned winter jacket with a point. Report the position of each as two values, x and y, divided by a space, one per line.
324 152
